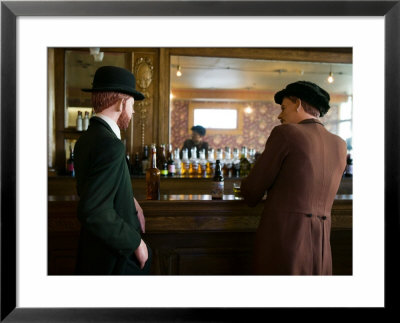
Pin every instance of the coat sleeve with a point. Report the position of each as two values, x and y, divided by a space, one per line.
96 210
266 168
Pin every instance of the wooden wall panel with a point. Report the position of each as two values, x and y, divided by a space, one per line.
192 237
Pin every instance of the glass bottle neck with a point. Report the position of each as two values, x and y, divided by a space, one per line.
154 160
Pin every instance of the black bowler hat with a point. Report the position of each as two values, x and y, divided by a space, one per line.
115 79
307 91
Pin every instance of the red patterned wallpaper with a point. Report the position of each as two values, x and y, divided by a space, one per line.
257 126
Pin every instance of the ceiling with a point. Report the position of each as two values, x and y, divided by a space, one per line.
215 73
220 73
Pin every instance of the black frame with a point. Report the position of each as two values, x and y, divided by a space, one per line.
10 10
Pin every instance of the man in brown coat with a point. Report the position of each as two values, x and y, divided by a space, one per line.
300 170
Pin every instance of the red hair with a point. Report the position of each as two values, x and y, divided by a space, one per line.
103 100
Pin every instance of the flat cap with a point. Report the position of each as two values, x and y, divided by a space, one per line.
308 92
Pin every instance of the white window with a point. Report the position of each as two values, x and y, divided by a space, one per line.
345 122
216 118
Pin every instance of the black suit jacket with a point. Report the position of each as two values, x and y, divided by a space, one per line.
110 227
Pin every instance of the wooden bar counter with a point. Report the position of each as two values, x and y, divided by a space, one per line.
192 234
65 185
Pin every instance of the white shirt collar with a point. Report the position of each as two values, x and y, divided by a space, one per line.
111 123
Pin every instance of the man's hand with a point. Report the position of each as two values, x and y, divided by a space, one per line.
140 215
142 254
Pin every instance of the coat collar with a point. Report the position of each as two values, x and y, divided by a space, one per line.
104 123
310 121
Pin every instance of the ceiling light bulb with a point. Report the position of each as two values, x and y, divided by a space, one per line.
330 78
178 72
98 57
94 50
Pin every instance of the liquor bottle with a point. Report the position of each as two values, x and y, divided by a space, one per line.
349 167
203 164
137 165
159 156
177 163
185 162
236 163
252 157
194 163
79 121
244 163
70 162
210 163
217 189
86 121
163 163
170 162
227 168
145 159
220 157
128 162
153 178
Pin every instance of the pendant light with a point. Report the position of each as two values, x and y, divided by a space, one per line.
330 78
178 71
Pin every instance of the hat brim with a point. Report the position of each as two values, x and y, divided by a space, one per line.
135 94
280 95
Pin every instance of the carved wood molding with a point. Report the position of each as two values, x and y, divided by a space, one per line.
144 70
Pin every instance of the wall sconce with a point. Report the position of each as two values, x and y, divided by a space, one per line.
97 55
178 72
248 109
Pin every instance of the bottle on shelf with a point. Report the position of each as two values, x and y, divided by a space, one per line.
244 163
128 161
194 163
153 178
210 163
145 159
252 157
235 163
227 168
220 157
79 126
86 121
178 163
217 189
185 162
137 165
163 163
202 163
170 162
349 166
159 157
70 162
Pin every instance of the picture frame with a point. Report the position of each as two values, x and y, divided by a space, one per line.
11 10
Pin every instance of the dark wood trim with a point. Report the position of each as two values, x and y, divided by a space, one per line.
163 118
59 71
325 55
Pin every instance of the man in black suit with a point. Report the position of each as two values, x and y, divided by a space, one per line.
111 219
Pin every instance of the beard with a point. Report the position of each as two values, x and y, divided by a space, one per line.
123 120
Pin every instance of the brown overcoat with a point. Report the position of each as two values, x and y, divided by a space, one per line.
300 169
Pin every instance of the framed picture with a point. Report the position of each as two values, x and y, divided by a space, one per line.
184 12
